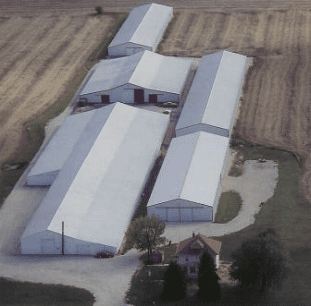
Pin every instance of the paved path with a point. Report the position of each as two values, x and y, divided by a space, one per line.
106 279
256 185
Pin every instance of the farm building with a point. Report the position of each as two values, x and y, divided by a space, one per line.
142 30
213 98
99 186
188 186
52 159
142 77
190 250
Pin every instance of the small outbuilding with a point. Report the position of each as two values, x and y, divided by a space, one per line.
213 99
188 186
139 78
189 251
142 30
97 190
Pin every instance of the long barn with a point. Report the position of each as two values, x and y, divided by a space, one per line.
213 99
188 186
139 78
57 151
97 190
142 30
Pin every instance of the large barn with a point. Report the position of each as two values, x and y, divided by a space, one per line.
142 30
188 186
99 186
213 99
142 77
52 159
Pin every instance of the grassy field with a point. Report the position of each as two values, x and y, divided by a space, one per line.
25 293
288 213
228 208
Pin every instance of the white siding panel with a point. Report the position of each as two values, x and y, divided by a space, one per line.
160 213
186 214
203 214
173 215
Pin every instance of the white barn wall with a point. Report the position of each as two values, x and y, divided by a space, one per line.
43 179
181 211
125 94
202 127
35 245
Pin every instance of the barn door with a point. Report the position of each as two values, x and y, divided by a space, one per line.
105 98
153 98
185 214
139 96
47 246
173 215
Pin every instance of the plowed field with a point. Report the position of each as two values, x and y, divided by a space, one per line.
276 107
38 57
78 7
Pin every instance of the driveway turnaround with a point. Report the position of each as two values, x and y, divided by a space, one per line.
255 186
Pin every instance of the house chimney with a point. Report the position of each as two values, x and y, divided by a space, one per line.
193 234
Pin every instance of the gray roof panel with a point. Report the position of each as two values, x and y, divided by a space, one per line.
144 25
213 94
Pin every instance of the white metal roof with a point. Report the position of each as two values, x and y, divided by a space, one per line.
96 191
214 91
61 145
145 69
191 169
143 25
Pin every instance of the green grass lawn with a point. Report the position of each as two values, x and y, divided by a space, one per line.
25 293
228 207
289 214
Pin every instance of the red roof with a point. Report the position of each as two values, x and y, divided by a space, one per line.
212 244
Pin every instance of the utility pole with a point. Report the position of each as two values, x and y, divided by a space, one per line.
63 238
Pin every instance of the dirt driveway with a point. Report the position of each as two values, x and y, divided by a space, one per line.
256 185
107 279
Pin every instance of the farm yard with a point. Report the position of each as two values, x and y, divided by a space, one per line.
45 45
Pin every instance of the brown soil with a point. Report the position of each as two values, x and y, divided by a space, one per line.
276 109
86 7
39 56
